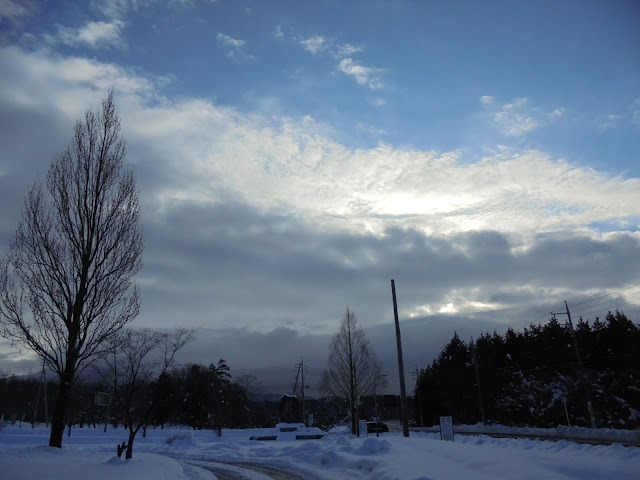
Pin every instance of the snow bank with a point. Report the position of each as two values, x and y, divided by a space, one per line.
89 453
61 464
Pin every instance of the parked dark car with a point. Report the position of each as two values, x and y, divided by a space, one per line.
376 427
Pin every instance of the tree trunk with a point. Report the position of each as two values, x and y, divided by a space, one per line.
132 435
62 401
59 410
354 420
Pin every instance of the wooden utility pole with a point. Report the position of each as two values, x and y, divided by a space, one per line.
403 395
585 383
587 390
304 420
419 398
474 358
43 385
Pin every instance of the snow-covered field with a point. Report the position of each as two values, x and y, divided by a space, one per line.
90 454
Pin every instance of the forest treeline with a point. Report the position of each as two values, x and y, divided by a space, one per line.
523 379
526 378
194 395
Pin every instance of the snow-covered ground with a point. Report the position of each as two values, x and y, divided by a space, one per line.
90 454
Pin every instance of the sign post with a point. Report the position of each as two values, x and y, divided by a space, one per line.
102 399
446 429
362 427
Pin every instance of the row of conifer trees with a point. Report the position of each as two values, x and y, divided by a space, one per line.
527 378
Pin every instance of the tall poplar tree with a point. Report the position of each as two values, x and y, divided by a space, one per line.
353 370
66 283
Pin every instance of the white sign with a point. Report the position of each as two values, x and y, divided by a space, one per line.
101 399
362 427
310 422
446 429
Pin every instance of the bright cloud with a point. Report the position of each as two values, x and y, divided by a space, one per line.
347 50
366 76
513 121
315 44
557 113
235 46
229 41
215 151
518 118
448 308
372 207
93 35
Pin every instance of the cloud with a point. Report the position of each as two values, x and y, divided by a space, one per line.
557 113
93 35
370 129
278 33
513 121
347 50
272 163
315 44
631 115
634 110
610 121
211 152
229 41
267 226
235 46
518 118
365 76
11 9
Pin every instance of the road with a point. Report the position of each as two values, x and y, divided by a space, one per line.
245 471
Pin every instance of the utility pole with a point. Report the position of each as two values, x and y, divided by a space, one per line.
35 410
587 390
304 419
419 398
474 359
403 395
43 385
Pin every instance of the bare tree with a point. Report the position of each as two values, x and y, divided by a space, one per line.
353 369
65 285
134 359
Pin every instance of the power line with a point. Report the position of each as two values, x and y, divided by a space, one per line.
605 288
607 309
601 303
602 296
589 307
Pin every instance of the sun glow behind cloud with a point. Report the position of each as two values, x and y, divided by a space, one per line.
288 163
293 165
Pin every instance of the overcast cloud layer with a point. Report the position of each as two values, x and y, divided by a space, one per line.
262 225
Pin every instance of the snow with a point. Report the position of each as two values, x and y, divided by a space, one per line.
163 454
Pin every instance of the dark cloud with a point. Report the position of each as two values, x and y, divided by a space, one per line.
285 286
265 287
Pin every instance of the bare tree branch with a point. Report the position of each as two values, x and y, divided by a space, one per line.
133 359
353 369
66 283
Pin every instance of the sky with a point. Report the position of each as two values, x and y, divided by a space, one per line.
294 157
